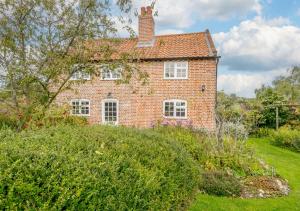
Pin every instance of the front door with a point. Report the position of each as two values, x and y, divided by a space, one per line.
110 112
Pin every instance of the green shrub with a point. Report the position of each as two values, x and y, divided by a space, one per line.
234 156
262 132
54 116
287 138
236 131
95 168
220 183
6 121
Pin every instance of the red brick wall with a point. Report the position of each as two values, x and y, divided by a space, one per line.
141 106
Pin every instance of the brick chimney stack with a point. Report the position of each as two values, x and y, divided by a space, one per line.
146 28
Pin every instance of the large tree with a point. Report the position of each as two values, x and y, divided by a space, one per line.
270 99
289 86
41 40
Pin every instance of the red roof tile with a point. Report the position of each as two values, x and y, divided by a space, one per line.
192 45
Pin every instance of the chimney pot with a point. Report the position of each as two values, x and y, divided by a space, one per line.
143 11
149 10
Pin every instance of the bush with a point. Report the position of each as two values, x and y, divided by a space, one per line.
287 138
54 116
220 184
6 121
95 168
262 132
231 155
236 131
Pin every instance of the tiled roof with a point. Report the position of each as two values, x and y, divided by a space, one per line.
192 45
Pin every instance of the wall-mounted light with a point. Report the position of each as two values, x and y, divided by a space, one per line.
109 95
203 88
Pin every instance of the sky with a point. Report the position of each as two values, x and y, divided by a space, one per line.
258 40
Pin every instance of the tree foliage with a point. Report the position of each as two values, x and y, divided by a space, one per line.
270 99
289 86
41 40
260 112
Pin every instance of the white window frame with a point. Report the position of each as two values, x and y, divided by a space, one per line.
176 70
111 78
80 101
174 116
103 111
80 75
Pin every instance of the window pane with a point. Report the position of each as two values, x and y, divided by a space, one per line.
105 73
181 73
111 74
79 73
180 109
85 75
116 74
75 107
169 109
170 70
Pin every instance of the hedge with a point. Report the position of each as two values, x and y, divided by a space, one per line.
95 168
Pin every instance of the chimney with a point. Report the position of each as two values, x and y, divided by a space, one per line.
146 28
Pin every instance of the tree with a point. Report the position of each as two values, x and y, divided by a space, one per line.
289 86
40 42
269 99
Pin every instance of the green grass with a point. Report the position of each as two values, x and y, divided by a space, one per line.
287 165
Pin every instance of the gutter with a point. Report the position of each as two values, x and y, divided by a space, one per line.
161 59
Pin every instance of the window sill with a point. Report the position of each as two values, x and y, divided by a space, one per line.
81 115
176 79
79 79
176 118
111 79
109 124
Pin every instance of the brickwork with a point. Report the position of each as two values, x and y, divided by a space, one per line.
146 25
142 105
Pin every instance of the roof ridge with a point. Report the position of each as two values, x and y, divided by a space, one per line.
163 35
189 33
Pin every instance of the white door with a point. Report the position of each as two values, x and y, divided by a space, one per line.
110 112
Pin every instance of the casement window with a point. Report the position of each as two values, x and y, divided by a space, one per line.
176 70
79 73
111 74
110 111
80 107
175 109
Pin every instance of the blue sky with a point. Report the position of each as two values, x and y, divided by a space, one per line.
257 39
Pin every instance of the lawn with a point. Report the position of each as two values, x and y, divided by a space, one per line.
286 164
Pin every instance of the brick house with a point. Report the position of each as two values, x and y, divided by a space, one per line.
182 86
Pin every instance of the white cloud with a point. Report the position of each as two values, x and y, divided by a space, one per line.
184 13
260 44
170 31
244 84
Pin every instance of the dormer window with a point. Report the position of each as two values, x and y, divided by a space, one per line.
111 74
79 73
176 70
